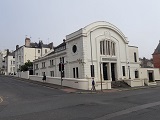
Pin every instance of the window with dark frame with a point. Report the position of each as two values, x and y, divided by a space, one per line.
77 75
52 73
136 74
92 70
135 57
123 69
45 50
43 64
74 76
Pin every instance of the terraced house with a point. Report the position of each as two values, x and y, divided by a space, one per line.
30 51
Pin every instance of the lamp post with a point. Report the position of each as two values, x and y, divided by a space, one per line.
101 76
91 48
129 72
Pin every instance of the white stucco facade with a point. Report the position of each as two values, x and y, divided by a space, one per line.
99 45
99 51
2 61
9 65
28 52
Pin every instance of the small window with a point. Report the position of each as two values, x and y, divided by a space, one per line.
45 50
43 64
51 62
135 57
123 70
136 74
77 75
74 48
52 73
43 73
38 51
74 74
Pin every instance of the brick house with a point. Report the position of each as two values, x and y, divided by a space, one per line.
156 57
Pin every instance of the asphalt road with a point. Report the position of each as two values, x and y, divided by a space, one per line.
20 100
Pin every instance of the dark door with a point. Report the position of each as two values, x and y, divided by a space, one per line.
113 71
105 74
150 74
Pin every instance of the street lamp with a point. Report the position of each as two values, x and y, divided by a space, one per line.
129 72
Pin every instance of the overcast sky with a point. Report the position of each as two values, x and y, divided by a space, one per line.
52 20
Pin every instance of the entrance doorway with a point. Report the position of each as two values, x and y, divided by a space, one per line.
113 75
150 76
105 71
109 71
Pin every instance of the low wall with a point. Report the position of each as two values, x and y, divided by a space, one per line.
68 82
135 82
23 74
105 85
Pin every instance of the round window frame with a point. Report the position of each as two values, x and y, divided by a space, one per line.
74 49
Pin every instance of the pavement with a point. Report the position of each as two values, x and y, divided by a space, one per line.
78 91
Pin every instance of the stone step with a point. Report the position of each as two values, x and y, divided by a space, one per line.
119 84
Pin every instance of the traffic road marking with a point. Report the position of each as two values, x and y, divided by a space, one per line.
1 100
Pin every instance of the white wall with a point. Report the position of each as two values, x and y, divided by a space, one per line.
23 74
144 73
69 82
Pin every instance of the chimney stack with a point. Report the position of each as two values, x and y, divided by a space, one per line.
7 51
17 46
51 45
27 42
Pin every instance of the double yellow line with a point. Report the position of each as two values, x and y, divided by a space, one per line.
1 100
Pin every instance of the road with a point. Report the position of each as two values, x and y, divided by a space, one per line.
20 100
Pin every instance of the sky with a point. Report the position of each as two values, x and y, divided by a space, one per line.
52 20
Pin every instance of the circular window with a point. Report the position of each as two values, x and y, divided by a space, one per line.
74 48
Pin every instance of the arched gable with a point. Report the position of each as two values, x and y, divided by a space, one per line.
102 24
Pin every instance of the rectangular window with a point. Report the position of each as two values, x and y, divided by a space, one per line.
136 74
101 47
52 73
135 57
62 59
13 69
51 62
11 62
108 47
114 53
43 73
92 70
36 66
38 51
123 70
77 75
74 74
43 64
45 50
19 58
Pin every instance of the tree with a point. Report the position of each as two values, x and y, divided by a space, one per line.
28 65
